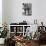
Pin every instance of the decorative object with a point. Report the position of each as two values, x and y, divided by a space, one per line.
35 21
27 7
28 33
3 34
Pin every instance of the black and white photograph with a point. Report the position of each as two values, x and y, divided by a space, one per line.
27 7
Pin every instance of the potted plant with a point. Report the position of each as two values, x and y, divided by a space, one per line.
3 34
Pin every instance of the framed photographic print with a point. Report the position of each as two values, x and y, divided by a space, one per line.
27 8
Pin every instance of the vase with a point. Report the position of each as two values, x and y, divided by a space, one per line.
2 40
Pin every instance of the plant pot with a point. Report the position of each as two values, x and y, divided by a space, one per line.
2 40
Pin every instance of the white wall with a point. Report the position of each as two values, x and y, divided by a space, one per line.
4 11
13 11
0 13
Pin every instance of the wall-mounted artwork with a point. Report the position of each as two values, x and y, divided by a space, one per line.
27 9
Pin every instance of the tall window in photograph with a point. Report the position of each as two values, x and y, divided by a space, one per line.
27 9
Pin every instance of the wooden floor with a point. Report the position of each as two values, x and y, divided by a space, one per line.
32 45
42 45
1 45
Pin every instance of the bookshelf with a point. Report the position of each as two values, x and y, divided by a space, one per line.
18 29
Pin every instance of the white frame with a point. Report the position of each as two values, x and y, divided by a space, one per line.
18 32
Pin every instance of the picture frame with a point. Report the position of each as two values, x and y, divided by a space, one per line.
27 9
